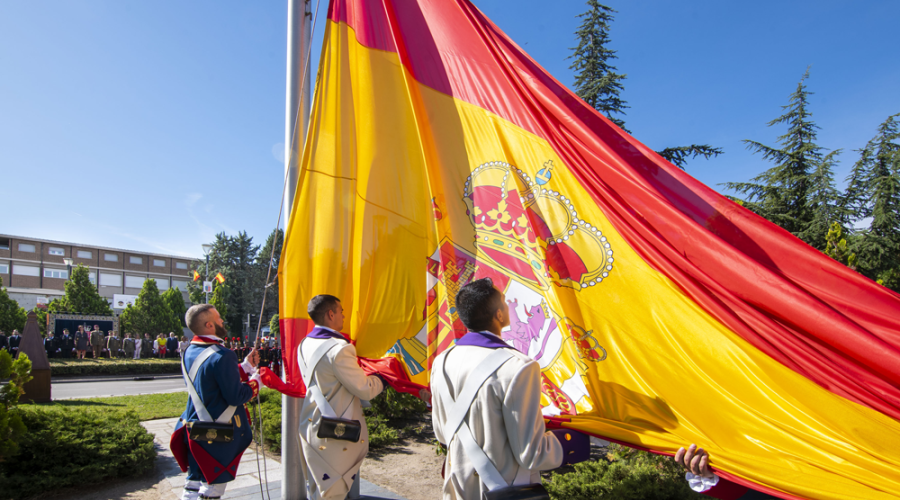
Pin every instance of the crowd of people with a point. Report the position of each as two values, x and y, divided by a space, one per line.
97 344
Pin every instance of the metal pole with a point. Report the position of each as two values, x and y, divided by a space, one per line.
299 25
206 278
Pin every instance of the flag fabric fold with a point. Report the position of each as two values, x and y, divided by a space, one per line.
661 313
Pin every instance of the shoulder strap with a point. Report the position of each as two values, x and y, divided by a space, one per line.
202 412
456 425
306 373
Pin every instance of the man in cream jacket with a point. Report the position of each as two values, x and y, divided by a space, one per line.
504 416
332 464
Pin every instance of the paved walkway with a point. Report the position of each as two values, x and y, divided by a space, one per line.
246 485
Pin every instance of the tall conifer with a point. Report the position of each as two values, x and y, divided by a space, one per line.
596 80
781 193
873 191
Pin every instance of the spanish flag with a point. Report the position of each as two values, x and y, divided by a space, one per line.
661 313
196 275
220 278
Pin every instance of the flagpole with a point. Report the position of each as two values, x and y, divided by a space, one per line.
299 25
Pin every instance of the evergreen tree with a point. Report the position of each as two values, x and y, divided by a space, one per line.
126 322
81 296
873 192
151 314
235 257
824 203
12 316
276 240
597 82
175 300
781 193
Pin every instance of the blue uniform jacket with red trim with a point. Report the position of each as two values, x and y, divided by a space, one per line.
220 383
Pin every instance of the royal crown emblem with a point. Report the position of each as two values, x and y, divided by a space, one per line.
211 434
524 226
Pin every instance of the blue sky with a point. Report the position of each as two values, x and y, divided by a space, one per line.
154 125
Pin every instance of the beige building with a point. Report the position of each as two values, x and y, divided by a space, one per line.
33 270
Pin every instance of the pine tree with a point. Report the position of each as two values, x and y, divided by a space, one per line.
596 80
175 300
873 191
275 239
151 314
781 193
824 202
12 316
81 296
235 257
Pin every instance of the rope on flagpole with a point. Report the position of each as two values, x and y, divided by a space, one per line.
260 443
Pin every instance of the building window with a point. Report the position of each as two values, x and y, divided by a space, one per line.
134 281
180 285
136 260
162 283
4 243
110 279
57 251
26 270
93 277
4 268
56 273
26 247
180 265
159 263
110 257
84 254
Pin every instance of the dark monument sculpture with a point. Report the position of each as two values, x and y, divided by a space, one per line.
38 390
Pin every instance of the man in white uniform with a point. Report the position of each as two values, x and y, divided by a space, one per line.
328 364
486 406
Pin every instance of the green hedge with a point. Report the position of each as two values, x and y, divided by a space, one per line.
67 447
82 367
271 417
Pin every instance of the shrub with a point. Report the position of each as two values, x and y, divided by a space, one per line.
271 417
80 367
627 474
64 447
393 405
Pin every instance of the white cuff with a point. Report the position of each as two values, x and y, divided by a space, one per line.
257 378
700 483
248 368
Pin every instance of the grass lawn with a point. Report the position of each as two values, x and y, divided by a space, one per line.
148 406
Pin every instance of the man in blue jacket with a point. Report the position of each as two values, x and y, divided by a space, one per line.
219 386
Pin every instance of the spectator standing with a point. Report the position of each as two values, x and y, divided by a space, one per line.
51 345
128 346
171 345
137 346
14 341
4 341
147 348
183 345
82 340
113 345
161 346
66 345
96 341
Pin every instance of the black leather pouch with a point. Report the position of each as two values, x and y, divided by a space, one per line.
210 432
525 492
339 428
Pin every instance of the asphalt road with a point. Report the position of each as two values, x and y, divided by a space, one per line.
71 388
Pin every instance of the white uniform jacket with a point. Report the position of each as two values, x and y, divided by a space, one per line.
505 419
332 464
